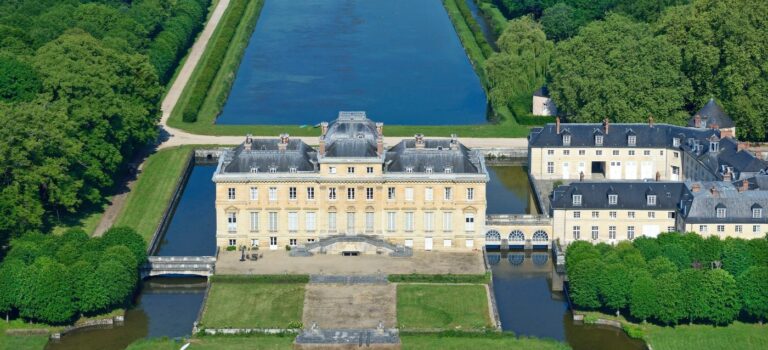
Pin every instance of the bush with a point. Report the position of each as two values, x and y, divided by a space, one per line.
231 248
633 331
444 278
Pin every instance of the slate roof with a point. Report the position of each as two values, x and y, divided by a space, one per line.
712 115
646 136
631 195
436 154
738 204
352 135
757 182
265 154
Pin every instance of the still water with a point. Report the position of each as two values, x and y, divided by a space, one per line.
521 285
400 60
508 191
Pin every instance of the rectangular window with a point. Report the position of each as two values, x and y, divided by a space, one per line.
671 215
350 193
550 152
595 233
720 212
310 240
350 170
630 232
447 221
369 193
369 170
311 221
448 193
576 214
232 222
702 228
255 242
254 221
651 199
390 193
582 152
615 152
409 221
232 242
254 193
550 167
409 194
350 222
611 232
721 228
757 213
651 215
613 199
292 242
631 214
391 215
332 170
292 193
470 194
599 152
647 153
469 222
369 221
231 193
676 155
332 193
566 152
576 232
273 221
273 242
755 228
429 221
310 193
332 222
293 221
409 243
739 229
273 193
670 229
631 152
447 243
428 194
595 215
576 199
612 214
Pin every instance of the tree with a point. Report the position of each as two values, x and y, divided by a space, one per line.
579 251
646 10
677 254
693 299
648 246
47 293
11 273
736 256
118 280
18 81
753 288
618 69
758 249
90 292
711 250
614 289
584 283
722 295
560 21
669 300
642 296
126 236
661 265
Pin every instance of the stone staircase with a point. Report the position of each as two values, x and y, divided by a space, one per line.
320 246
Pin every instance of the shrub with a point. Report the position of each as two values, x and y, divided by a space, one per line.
633 331
443 278
231 248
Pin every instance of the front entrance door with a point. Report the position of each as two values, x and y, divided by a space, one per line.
428 243
631 171
272 243
566 171
615 170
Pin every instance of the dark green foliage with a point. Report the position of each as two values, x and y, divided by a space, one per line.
693 300
18 81
753 289
125 236
47 292
477 33
677 254
722 295
669 298
179 30
615 286
585 283
661 265
642 296
561 21
445 278
736 256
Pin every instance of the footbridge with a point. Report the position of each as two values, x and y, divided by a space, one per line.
518 231
179 265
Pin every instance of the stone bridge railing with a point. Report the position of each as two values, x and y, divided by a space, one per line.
516 219
179 265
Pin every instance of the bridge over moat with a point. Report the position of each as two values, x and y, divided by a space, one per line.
179 265
518 231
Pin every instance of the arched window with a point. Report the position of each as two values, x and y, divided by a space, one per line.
540 236
493 236
516 236
516 258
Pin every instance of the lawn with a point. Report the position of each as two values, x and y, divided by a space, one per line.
255 342
442 307
145 205
249 304
479 341
86 219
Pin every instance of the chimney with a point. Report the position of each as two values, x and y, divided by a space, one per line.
697 121
726 133
248 142
283 145
650 120
728 175
419 140
581 176
380 129
741 146
744 186
379 146
606 124
713 191
557 125
454 142
321 147
323 128
658 176
696 187
714 126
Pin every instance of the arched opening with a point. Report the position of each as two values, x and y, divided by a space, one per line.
540 239
493 239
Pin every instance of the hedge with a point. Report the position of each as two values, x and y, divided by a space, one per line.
443 278
495 18
466 13
177 34
467 38
260 278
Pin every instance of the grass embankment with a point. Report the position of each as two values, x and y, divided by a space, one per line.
735 336
494 16
145 204
38 340
253 303
442 307
242 342
461 341
444 278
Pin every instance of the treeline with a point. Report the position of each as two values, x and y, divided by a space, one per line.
56 279
78 96
628 60
673 278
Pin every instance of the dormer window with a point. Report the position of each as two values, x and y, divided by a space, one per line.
613 199
576 199
650 199
631 140
599 140
757 213
448 170
254 169
714 146
720 212
676 142
292 170
409 169
428 170
272 169
566 140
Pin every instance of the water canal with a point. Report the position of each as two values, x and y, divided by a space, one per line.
400 60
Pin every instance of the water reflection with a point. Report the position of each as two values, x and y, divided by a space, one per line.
508 191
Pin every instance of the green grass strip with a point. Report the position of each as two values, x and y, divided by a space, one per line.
444 278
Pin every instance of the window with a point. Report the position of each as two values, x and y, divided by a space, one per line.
550 167
332 193
272 169
310 193
631 214
255 242
332 222
448 193
293 221
595 215
447 221
615 152
566 140
470 243
599 140
391 221
292 170
369 193
612 214
409 169
739 229
470 194
721 228
390 193
469 222
577 232
582 152
369 221
350 193
576 199
254 221
675 142
631 152
429 221
448 170
632 140
566 152
661 152
273 221
332 169
409 221
651 215
576 214
232 222
676 154
428 170
350 170
647 152
671 215
409 194
599 152
292 193
611 232
350 222
757 213
310 219
273 193
702 228
428 194
292 242
630 232
231 193
550 152
720 212
595 233
651 199
232 242
447 243
613 199
369 170
254 193
273 241
755 228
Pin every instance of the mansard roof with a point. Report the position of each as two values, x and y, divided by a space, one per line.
352 135
631 195
438 155
583 135
712 115
265 154
719 194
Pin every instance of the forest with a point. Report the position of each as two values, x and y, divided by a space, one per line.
672 279
80 88
627 60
